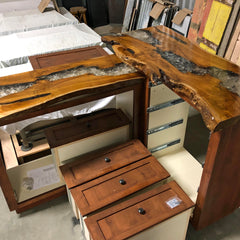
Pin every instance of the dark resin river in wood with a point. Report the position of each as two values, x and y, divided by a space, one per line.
207 82
22 94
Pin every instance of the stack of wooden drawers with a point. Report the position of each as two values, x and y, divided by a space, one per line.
123 192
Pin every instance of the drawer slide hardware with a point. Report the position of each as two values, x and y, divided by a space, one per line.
163 127
166 145
164 105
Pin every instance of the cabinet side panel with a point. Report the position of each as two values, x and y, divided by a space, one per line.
219 192
6 186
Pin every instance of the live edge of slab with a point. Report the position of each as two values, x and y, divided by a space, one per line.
24 94
209 83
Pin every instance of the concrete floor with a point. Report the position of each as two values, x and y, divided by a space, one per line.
55 220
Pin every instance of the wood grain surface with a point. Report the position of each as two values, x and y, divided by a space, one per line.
207 82
23 93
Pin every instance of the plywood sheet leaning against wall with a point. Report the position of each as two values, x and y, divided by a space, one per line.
209 83
215 25
197 16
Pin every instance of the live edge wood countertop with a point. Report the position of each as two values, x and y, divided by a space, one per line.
207 82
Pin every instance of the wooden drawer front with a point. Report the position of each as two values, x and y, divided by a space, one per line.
93 143
57 58
168 114
113 186
160 94
85 127
137 214
97 164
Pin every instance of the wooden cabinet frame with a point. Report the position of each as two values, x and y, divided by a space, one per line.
218 194
137 85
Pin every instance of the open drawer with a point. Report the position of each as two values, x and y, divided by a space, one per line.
163 211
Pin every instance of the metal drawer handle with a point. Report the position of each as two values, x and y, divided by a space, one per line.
107 159
122 181
141 211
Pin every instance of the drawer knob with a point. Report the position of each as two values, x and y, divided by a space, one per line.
122 181
141 211
107 159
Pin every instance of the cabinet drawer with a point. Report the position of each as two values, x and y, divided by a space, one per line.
102 162
140 213
86 126
168 114
160 94
116 185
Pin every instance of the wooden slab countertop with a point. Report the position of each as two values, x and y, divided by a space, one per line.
209 83
21 94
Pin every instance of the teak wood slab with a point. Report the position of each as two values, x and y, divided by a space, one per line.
24 93
207 82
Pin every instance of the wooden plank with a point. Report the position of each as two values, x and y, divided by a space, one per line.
90 75
7 187
70 56
43 4
229 28
182 66
218 194
196 21
215 26
205 18
236 51
9 154
233 41
44 198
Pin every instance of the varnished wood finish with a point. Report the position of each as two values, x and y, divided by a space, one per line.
107 189
86 126
123 220
6 186
70 56
103 72
209 83
94 165
46 197
219 192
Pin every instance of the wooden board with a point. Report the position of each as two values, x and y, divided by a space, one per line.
9 155
41 88
215 26
219 192
210 84
57 58
233 41
196 21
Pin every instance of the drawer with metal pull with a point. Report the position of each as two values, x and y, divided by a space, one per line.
161 213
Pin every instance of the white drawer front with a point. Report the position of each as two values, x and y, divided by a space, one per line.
168 114
160 94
